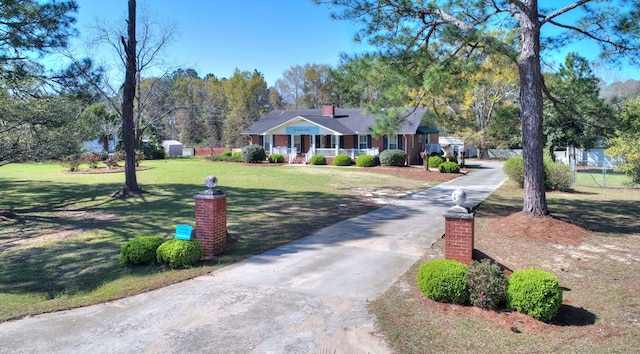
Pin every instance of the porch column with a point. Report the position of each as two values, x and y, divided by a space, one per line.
271 138
313 143
337 140
292 143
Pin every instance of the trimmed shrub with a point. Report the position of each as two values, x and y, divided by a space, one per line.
435 161
451 158
237 155
534 292
276 158
179 253
557 176
514 169
393 157
227 153
365 161
443 280
487 285
71 162
449 167
92 159
140 250
342 160
318 160
253 154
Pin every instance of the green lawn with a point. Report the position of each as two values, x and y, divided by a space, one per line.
62 249
595 177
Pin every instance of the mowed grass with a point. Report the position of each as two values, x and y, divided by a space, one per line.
61 251
599 278
596 177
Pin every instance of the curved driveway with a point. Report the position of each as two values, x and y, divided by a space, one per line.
308 296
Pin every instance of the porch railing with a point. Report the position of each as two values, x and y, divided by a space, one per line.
331 152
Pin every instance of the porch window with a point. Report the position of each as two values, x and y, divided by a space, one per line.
392 141
363 142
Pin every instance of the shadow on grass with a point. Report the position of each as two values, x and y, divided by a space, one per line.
606 216
66 239
573 316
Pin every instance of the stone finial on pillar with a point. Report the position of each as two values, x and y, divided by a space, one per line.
211 219
459 230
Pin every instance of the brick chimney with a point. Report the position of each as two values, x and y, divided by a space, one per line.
328 110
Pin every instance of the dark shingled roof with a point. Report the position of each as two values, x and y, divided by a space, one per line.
346 121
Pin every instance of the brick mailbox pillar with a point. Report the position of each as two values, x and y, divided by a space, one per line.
458 230
211 219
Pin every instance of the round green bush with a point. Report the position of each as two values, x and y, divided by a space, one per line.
237 155
179 253
557 176
342 160
227 153
140 250
365 161
534 292
435 161
276 158
443 280
393 157
449 167
253 154
318 160
487 285
514 169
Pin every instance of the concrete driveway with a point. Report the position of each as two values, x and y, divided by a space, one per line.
308 296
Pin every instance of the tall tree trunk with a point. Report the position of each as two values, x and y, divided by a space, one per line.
128 129
535 202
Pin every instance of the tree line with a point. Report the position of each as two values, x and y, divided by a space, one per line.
476 66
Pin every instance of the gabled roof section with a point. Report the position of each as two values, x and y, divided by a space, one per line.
345 121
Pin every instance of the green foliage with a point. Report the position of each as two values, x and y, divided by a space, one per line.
514 169
71 162
393 157
140 250
435 161
557 176
581 116
342 160
443 280
626 143
365 161
318 160
224 158
227 153
534 292
92 159
237 154
253 154
153 151
449 167
276 158
180 253
487 285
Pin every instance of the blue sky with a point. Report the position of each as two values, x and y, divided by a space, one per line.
218 36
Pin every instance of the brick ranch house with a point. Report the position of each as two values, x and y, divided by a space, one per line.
300 134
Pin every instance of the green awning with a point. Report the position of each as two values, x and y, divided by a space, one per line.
427 130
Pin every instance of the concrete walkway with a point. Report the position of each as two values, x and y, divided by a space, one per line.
308 296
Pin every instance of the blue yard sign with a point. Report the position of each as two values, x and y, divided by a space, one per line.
183 232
